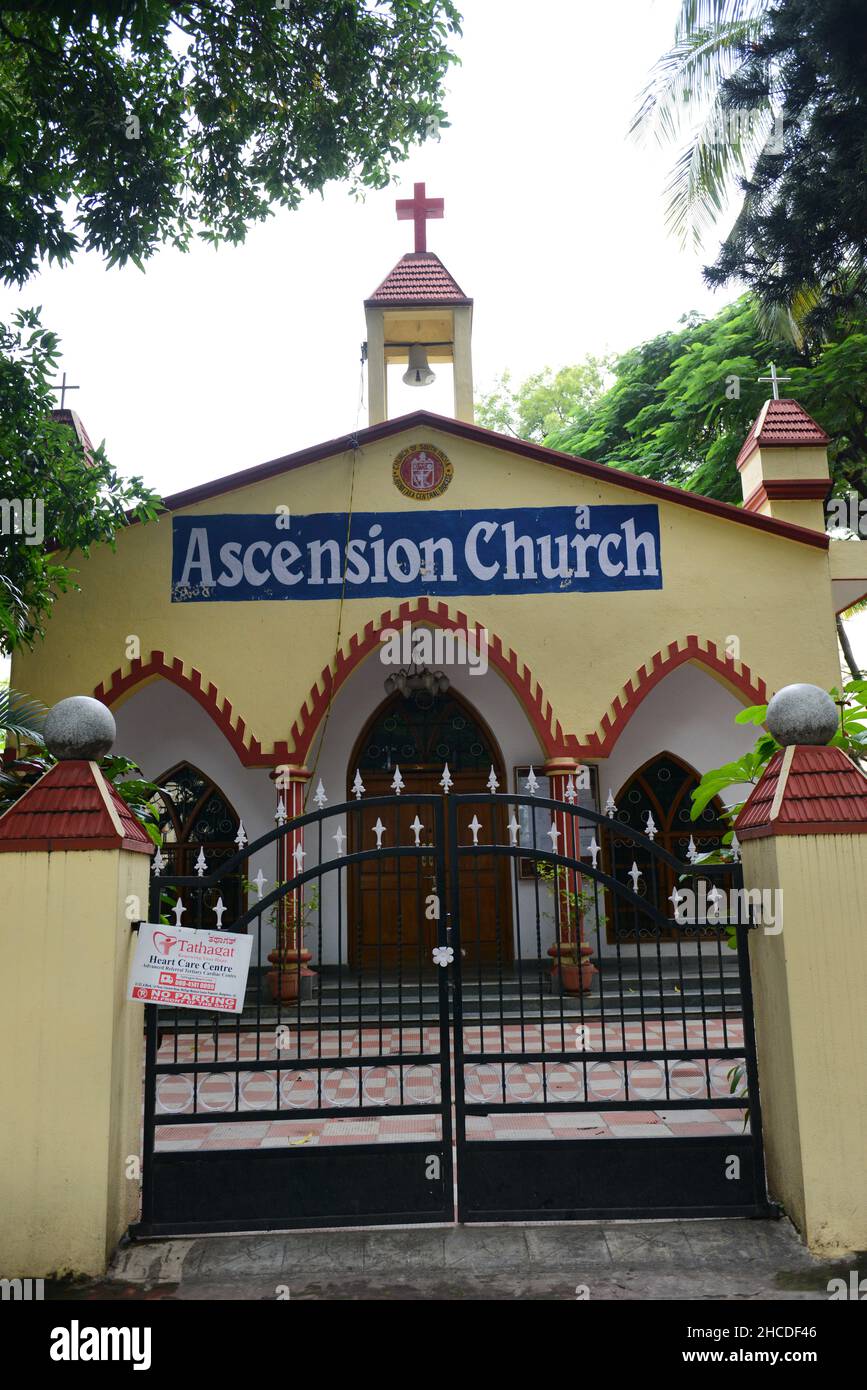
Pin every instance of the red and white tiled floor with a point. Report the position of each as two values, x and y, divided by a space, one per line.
576 1077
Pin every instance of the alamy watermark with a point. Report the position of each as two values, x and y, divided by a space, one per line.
418 647
847 513
23 518
761 907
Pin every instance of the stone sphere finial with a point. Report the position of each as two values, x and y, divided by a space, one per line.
802 714
79 727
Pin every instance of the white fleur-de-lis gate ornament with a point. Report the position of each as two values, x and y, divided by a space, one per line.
397 782
159 862
241 837
280 814
201 863
570 793
320 799
493 781
532 782
446 781
379 831
736 848
358 787
475 826
416 829
691 851
514 831
299 854
259 884
553 835
219 911
650 827
610 807
674 899
635 875
594 851
178 911
715 898
443 955
338 838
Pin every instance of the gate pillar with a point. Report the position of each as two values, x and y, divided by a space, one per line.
73 877
803 832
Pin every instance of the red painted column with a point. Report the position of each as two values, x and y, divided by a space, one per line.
571 958
291 957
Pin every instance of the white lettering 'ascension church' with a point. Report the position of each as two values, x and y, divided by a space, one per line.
429 605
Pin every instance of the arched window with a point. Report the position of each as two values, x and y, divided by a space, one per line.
426 731
196 816
664 787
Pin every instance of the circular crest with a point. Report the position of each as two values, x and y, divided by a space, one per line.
422 472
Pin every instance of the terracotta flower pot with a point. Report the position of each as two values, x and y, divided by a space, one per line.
285 980
575 968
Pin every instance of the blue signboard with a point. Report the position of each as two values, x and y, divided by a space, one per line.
546 550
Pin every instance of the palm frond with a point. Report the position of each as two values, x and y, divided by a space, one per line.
21 716
689 75
705 171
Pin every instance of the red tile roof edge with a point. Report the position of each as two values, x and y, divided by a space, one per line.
782 424
784 803
572 463
101 818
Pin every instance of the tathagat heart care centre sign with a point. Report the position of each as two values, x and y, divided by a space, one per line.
186 969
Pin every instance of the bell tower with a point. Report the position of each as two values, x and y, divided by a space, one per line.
421 316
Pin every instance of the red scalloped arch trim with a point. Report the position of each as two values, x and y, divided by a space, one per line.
518 676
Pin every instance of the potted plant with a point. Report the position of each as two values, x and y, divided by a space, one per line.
571 959
290 957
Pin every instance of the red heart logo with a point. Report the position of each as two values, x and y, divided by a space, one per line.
164 943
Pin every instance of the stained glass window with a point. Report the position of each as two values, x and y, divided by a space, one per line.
425 731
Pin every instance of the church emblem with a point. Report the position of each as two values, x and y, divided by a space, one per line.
421 472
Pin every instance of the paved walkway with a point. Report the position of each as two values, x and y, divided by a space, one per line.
695 1260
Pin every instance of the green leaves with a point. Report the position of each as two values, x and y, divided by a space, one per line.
70 496
153 123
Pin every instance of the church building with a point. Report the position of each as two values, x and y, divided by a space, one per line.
426 606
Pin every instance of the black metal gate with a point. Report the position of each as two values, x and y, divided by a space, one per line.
575 1080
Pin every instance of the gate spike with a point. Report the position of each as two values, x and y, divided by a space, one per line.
594 850
320 798
532 782
493 780
553 835
201 863
299 854
259 883
397 783
569 794
674 898
635 875
610 807
358 787
339 837
691 851
219 911
736 848
379 831
446 781
650 828
280 815
514 829
475 825
241 837
416 828
178 910
159 862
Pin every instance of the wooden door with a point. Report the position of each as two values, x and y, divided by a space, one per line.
388 925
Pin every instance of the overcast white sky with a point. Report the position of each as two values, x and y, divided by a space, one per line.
215 361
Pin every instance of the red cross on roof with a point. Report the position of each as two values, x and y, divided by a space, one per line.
418 209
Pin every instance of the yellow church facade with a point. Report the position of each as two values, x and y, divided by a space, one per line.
583 622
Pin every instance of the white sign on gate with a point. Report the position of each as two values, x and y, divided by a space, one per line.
186 969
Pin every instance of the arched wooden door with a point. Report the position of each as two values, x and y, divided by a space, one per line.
664 787
420 734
